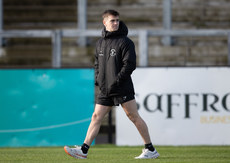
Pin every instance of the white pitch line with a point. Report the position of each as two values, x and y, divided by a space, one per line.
45 128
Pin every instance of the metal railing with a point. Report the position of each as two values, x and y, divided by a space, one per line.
57 35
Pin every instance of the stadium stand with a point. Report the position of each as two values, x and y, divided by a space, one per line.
138 14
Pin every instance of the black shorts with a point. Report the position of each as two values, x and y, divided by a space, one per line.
113 100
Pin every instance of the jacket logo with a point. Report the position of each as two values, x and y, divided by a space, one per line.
112 52
101 54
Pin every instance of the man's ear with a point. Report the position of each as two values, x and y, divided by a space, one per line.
104 22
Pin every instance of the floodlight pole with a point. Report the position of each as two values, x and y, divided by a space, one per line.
167 20
57 48
82 20
143 48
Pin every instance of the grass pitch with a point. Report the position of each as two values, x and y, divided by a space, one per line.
113 154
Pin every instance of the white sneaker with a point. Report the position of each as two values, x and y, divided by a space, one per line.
147 154
75 152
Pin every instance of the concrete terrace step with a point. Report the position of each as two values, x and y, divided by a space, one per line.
39 2
144 14
72 56
39 17
194 14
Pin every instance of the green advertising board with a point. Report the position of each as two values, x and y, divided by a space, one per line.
45 107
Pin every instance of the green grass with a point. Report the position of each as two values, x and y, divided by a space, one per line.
113 154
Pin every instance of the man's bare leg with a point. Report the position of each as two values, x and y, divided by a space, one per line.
95 124
130 109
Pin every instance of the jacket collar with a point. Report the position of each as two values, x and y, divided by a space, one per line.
122 31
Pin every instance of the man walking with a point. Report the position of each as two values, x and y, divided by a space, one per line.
115 60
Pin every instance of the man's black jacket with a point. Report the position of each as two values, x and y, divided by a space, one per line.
115 60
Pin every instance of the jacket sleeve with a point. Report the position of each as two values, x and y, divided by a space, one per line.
128 62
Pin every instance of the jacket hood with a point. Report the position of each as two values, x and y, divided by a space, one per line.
122 31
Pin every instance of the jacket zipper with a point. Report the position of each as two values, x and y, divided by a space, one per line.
106 58
105 65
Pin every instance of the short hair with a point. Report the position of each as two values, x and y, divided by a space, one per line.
110 12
